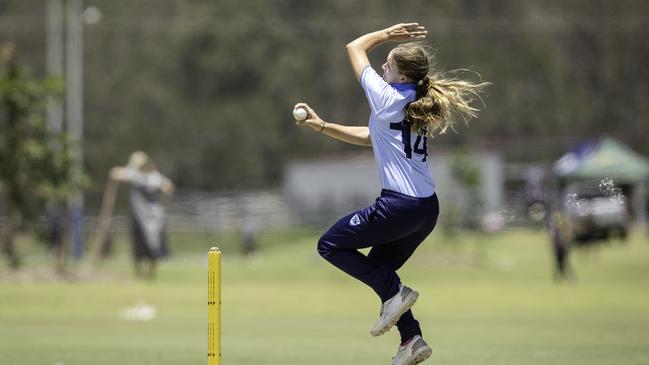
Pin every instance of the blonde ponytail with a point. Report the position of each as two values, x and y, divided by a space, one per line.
442 98
441 101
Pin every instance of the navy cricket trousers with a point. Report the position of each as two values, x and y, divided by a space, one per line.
393 226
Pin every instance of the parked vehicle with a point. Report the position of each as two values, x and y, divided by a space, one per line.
597 217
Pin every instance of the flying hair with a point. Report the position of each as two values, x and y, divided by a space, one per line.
443 98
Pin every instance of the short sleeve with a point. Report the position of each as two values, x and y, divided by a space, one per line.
379 93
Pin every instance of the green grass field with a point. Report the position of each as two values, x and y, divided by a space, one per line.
484 300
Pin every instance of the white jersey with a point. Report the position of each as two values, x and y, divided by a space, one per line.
400 153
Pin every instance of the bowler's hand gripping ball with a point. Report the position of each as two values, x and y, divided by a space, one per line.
300 114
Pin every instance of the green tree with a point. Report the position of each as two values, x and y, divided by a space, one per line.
466 173
34 162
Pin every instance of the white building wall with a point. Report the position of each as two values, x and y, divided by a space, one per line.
339 186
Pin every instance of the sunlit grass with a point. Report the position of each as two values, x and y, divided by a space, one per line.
484 300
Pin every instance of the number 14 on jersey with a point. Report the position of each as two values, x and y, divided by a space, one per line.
406 131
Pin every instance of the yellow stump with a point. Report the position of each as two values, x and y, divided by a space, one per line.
214 306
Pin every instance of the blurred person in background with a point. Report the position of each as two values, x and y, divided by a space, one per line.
410 102
561 237
149 190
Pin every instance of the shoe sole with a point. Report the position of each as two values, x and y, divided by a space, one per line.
421 357
412 299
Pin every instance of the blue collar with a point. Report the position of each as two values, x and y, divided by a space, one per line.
405 86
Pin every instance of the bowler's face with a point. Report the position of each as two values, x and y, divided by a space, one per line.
390 73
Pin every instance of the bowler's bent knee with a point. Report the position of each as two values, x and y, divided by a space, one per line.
325 247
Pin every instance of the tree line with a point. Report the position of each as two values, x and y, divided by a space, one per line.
207 87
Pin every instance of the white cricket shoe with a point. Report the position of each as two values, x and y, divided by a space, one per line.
393 309
414 352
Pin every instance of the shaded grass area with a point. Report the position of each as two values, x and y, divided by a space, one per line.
484 300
